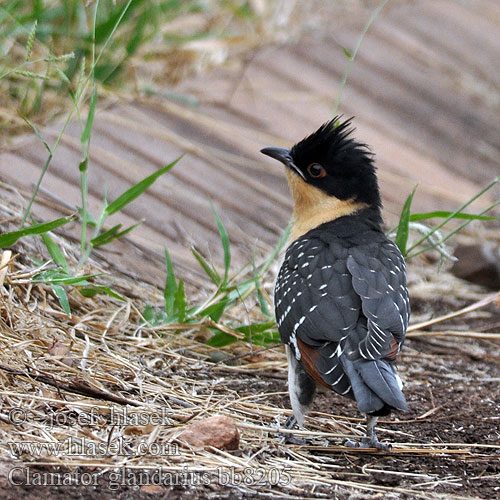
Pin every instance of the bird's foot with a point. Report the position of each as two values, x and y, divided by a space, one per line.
286 438
368 442
289 439
290 422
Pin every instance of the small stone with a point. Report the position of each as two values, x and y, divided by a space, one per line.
218 356
137 430
217 431
59 350
479 263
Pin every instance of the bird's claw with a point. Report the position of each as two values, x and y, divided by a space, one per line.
368 443
289 439
286 438
349 443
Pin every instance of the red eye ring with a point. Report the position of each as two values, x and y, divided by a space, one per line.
316 171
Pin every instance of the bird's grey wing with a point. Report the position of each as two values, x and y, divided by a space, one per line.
316 304
379 278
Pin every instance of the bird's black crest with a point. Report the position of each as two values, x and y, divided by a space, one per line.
333 137
348 163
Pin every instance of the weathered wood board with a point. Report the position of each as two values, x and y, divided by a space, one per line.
424 90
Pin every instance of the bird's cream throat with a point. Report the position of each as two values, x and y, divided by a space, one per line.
314 207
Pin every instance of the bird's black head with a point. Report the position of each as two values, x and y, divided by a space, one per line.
331 160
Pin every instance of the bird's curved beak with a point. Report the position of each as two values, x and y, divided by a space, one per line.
283 155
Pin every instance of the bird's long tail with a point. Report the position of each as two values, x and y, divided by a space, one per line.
375 384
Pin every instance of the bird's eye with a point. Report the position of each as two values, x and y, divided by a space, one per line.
316 170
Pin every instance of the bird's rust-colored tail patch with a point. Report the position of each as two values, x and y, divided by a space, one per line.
393 353
308 356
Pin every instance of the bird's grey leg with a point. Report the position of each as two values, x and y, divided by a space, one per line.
290 422
301 388
371 439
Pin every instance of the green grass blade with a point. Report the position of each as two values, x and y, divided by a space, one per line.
256 327
55 252
259 334
148 313
113 234
63 279
111 293
8 239
106 237
260 296
266 339
457 211
138 38
37 134
90 118
215 311
241 290
42 174
62 75
62 297
99 30
85 213
84 190
226 246
89 292
221 339
180 303
92 291
451 215
135 191
170 286
262 301
444 238
346 52
209 269
404 224
108 20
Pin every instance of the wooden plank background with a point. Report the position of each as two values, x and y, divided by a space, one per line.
424 90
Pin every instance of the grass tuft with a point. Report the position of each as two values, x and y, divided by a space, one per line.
431 238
